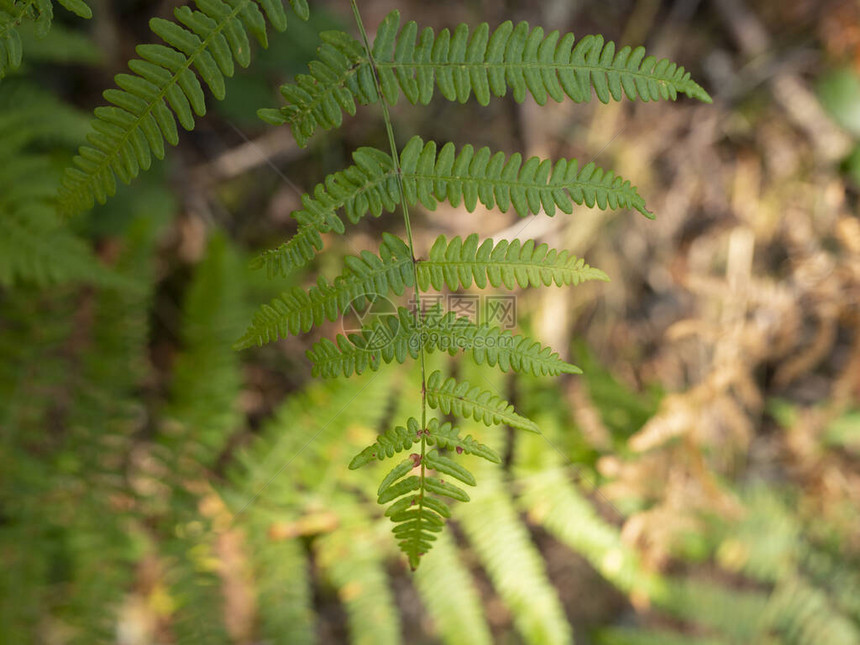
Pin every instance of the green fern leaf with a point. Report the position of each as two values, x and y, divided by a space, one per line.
466 401
392 338
390 442
368 186
456 263
399 439
502 544
204 411
351 561
446 435
448 591
416 515
296 252
133 129
495 180
520 58
468 177
365 276
35 247
40 12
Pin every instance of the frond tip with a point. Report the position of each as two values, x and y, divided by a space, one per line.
133 129
418 516
519 58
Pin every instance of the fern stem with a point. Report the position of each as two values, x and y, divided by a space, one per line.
395 157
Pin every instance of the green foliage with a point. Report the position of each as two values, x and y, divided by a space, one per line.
516 58
457 262
205 409
35 247
468 177
395 338
120 474
464 401
298 310
130 132
465 61
504 547
14 13
416 515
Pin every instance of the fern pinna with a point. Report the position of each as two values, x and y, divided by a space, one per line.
518 58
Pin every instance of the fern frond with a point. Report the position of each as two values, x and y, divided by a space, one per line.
806 615
468 177
128 133
265 491
365 276
740 614
41 13
534 186
31 115
191 574
36 248
446 435
552 501
390 442
456 263
34 245
447 590
285 610
504 548
204 409
419 517
350 559
368 186
501 542
466 401
391 338
520 58
399 439
296 252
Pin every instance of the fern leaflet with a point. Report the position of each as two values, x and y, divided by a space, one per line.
429 175
520 58
365 276
456 263
399 439
466 401
392 338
